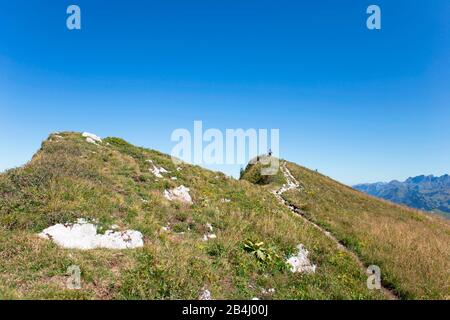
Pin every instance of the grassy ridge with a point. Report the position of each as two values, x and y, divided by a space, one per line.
69 178
411 247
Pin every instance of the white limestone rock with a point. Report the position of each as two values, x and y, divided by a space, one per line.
209 236
157 172
83 235
300 262
268 291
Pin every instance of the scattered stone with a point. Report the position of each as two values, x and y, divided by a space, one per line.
83 235
209 236
205 295
300 262
174 178
157 171
91 138
180 193
291 182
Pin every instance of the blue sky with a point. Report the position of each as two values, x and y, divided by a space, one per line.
358 105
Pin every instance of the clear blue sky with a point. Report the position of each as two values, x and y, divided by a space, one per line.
358 105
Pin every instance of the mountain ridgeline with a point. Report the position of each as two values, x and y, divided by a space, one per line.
427 193
206 235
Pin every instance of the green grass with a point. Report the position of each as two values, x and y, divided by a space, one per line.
69 178
411 247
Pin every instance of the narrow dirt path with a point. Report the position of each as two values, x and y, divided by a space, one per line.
292 183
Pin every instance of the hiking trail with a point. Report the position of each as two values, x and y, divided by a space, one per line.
291 184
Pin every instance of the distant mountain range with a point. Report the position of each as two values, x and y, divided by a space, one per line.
427 193
185 232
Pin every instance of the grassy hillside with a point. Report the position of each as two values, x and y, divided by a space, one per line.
411 247
70 178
